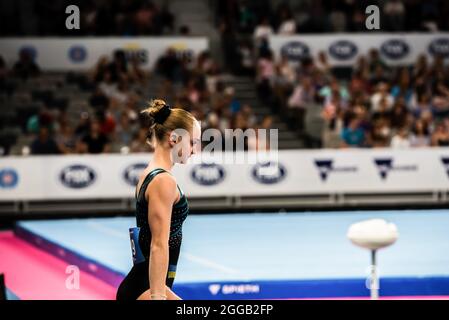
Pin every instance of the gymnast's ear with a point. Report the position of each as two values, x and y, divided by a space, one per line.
173 139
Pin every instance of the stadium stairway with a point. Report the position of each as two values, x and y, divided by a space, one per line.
245 92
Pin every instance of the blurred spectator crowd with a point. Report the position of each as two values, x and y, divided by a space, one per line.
369 105
98 18
99 112
264 17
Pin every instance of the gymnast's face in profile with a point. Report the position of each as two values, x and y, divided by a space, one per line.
185 144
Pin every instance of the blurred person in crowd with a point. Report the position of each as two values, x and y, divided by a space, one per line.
106 121
401 140
239 124
140 142
421 67
394 15
287 24
192 91
83 126
216 134
121 94
287 71
213 75
335 87
403 87
362 67
248 114
95 141
246 58
263 30
26 67
44 118
217 96
144 18
381 94
44 144
98 100
233 103
333 123
399 114
261 140
358 87
375 61
246 18
303 93
361 112
437 67
428 120
383 112
352 134
264 74
107 85
420 135
119 66
204 62
379 134
423 104
379 75
124 131
440 137
102 66
66 140
322 63
136 73
337 17
440 100
89 17
169 66
131 107
265 67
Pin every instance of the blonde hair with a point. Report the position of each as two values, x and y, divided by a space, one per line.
177 119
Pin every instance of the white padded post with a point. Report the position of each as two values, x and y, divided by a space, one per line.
373 235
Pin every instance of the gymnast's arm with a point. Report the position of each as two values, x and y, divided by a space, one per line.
161 196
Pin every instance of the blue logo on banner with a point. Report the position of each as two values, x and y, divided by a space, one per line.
445 161
295 50
32 51
395 49
343 50
439 47
77 176
8 178
77 54
224 290
132 173
385 166
208 174
268 172
325 167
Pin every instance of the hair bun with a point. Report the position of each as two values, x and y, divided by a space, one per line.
162 114
158 111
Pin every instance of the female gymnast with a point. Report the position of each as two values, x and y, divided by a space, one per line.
161 206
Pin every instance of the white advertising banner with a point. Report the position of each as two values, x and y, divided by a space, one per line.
80 54
344 49
292 173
